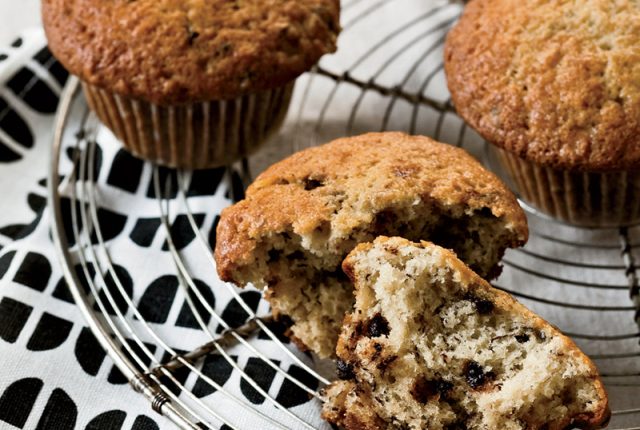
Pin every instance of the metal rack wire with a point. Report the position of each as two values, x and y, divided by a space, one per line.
394 82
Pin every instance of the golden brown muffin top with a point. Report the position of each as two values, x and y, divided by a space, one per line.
345 181
556 82
173 52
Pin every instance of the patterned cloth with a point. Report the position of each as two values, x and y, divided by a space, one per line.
55 374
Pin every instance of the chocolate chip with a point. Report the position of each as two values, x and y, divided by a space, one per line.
296 255
522 338
476 376
274 255
424 389
483 306
378 326
312 184
386 362
345 370
541 336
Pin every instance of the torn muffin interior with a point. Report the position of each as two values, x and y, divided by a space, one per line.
303 271
431 345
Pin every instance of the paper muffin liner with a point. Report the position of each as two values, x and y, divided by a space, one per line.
590 199
194 136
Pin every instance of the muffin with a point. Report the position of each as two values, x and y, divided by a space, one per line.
303 215
431 345
190 84
554 86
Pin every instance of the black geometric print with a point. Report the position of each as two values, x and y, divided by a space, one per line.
155 303
7 155
75 154
186 317
217 368
20 231
61 291
65 210
180 374
50 333
45 58
13 124
5 262
127 285
13 317
234 314
181 231
143 422
33 91
168 188
212 232
17 42
60 413
225 427
278 328
144 231
125 171
82 279
290 394
110 420
236 191
115 376
3 57
18 399
262 374
34 272
111 225
205 182
88 352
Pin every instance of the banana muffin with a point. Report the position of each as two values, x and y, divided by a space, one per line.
303 215
431 345
554 85
189 83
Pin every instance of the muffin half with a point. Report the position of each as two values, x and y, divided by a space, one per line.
431 345
303 215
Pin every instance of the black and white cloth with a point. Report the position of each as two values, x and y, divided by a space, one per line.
54 374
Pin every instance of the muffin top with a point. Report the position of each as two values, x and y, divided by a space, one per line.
174 52
556 82
336 188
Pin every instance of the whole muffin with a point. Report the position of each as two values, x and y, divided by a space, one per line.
554 85
190 83
303 215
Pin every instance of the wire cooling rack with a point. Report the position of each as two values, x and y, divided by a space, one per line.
387 75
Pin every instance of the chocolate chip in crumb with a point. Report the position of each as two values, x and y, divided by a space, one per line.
522 338
345 370
483 306
378 326
476 376
425 390
541 336
312 184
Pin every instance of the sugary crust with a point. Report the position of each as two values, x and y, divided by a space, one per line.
477 286
173 52
555 82
376 168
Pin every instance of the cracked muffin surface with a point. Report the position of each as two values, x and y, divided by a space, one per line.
554 82
171 52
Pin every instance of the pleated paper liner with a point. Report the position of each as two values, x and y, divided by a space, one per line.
195 136
587 199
